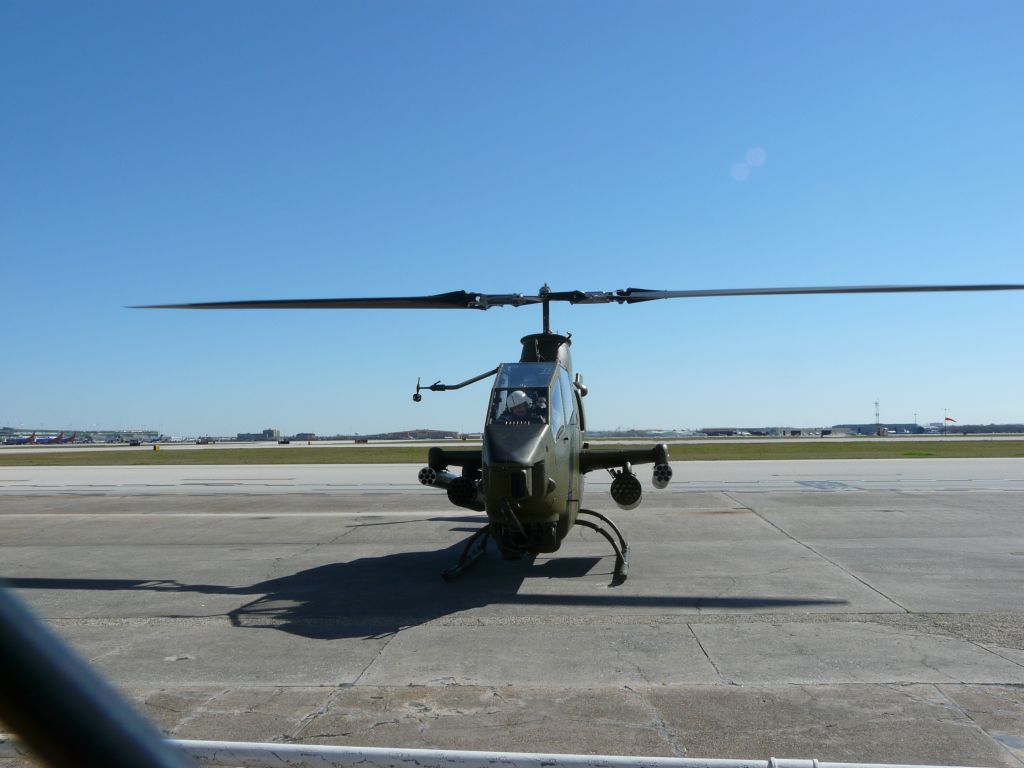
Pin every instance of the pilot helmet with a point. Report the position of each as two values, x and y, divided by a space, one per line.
517 398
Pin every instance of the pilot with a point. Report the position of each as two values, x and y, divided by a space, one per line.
517 407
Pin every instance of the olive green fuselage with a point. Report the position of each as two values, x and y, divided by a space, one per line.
530 477
528 474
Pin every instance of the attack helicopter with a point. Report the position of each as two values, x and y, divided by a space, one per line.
528 474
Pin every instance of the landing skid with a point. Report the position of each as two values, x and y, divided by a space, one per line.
621 547
476 545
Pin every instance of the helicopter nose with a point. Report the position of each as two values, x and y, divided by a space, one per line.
515 460
523 445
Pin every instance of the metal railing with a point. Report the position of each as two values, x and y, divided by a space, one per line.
261 755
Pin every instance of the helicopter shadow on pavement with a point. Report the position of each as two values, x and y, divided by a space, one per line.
366 597
378 596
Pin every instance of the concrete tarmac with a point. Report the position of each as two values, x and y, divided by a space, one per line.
865 611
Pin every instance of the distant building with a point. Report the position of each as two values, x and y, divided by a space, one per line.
266 434
766 431
885 429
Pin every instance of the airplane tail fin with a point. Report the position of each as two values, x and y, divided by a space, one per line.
72 438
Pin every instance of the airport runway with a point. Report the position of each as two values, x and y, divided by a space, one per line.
298 445
867 611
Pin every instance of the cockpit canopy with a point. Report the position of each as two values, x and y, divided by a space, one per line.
520 394
531 393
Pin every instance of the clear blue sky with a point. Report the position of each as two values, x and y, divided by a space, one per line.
193 151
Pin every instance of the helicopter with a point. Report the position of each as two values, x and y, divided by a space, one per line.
528 474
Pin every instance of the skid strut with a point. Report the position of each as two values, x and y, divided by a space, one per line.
475 547
621 547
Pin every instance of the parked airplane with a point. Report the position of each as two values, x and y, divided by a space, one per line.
33 440
58 440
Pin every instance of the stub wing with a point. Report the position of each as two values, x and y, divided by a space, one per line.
591 459
441 458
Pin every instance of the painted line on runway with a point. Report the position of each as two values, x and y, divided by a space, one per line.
233 479
427 514
191 487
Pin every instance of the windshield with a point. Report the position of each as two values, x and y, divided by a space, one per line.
520 394
513 375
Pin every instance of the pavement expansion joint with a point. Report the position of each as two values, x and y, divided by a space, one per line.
953 706
323 709
201 710
376 657
829 560
726 680
660 727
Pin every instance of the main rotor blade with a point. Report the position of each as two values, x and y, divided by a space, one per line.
633 295
451 300
467 300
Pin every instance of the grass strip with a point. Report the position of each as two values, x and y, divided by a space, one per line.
869 449
949 448
134 457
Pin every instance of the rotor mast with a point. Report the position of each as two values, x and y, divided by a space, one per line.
544 294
